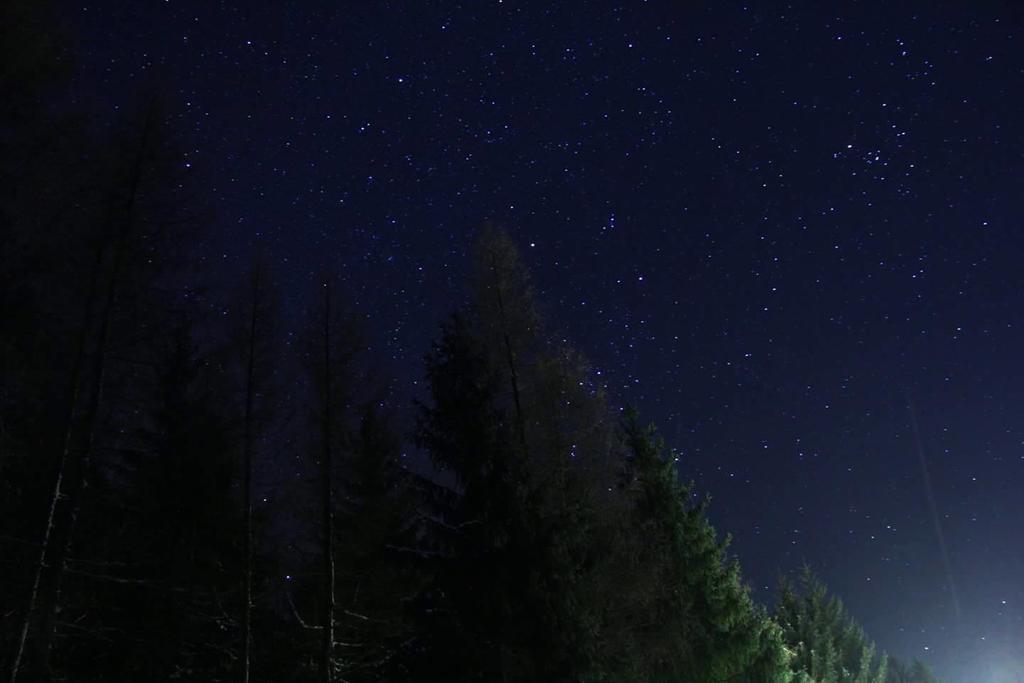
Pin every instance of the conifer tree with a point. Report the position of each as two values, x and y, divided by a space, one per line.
695 620
327 465
467 436
378 568
146 592
528 442
255 357
916 672
359 550
121 222
544 534
250 357
828 645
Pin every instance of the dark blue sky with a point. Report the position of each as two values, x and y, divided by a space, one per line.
767 225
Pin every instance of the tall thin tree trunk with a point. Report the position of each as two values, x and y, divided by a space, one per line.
327 664
247 492
58 487
73 463
510 358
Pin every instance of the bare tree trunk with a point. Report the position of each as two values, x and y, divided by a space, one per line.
510 359
61 520
62 466
327 664
247 492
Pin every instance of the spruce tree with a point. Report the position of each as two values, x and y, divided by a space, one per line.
255 355
828 645
378 563
528 441
916 672
557 573
100 280
146 592
695 619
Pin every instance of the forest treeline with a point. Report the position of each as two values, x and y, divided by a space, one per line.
141 430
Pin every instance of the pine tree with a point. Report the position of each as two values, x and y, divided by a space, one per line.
330 360
327 465
541 542
251 358
356 546
255 358
117 228
529 443
695 619
828 645
465 434
145 594
378 573
916 672
192 511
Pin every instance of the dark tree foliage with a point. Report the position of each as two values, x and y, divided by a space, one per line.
378 573
557 572
80 315
148 594
463 431
362 544
41 205
530 445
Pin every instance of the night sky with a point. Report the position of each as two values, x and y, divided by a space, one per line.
782 232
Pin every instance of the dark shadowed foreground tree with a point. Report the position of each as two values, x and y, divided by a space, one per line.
40 198
97 295
40 195
328 402
148 594
366 513
526 585
253 360
117 233
357 554
379 572
252 355
558 571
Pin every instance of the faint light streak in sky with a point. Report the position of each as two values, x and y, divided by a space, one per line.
933 508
